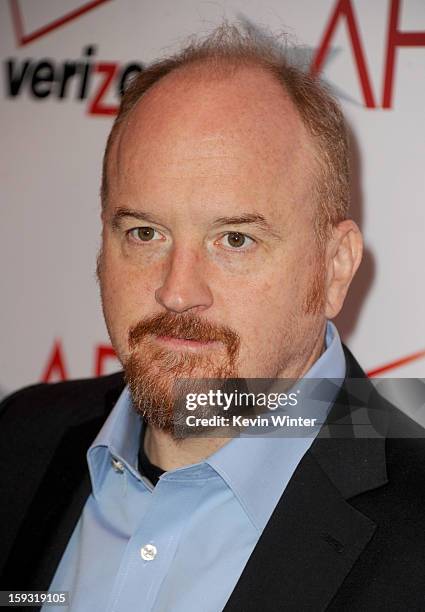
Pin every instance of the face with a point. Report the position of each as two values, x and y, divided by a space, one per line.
209 264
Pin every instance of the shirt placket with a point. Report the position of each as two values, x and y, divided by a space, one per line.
152 547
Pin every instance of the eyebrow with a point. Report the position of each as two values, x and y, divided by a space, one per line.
248 218
123 213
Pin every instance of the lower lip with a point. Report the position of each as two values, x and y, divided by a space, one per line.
181 342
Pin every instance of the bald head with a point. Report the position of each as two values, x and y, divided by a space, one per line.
239 130
223 57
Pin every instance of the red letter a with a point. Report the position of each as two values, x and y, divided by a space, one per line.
344 8
102 354
55 366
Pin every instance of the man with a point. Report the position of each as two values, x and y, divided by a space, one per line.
226 252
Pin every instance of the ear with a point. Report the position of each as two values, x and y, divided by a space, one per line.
344 254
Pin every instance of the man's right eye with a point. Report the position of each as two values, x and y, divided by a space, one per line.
145 234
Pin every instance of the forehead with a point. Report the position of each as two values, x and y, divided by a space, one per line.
237 133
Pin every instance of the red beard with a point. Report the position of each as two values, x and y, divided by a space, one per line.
157 376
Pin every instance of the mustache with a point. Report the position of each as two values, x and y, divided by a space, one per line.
188 326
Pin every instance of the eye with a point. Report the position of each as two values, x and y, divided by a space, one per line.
144 234
236 241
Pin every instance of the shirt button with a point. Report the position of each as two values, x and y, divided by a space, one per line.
117 465
148 552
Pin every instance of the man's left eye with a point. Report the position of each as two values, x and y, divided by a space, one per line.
236 241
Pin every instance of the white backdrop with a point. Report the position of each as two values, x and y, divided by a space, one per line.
58 55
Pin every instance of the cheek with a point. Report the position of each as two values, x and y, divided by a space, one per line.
266 310
127 296
127 293
269 296
257 308
125 286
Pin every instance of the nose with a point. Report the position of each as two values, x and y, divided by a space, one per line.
184 286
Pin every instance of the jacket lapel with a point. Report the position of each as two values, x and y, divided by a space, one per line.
309 545
315 536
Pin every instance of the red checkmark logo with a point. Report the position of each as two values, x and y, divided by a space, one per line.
23 38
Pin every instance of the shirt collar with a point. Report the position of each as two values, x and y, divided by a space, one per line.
246 462
331 363
243 463
118 437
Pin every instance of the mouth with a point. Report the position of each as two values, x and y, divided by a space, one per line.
173 342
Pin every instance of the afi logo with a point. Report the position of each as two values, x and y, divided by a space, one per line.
395 38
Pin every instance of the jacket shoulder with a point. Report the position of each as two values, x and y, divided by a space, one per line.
45 399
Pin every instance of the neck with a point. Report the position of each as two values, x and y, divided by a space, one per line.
168 453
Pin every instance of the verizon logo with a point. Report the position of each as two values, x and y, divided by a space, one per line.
71 79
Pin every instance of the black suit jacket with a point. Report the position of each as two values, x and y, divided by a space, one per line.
348 533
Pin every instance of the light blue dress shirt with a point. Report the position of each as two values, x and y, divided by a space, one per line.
182 545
